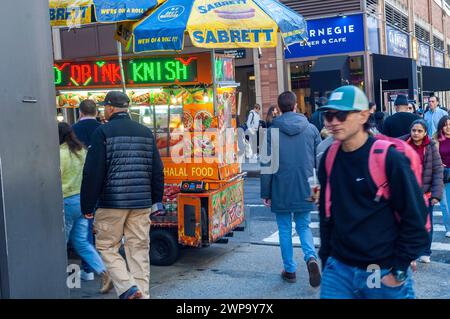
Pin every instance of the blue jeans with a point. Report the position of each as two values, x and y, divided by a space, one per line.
302 221
445 206
430 239
340 281
76 227
84 265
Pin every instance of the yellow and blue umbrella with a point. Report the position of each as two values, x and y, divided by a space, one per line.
80 12
215 25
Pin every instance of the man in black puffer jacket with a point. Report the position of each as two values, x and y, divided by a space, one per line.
122 178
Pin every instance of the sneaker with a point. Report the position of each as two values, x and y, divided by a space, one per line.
314 272
424 259
290 277
132 293
107 284
86 276
447 234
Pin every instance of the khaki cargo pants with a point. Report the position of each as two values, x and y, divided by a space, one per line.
111 225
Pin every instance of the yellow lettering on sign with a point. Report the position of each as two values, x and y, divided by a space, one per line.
175 172
202 172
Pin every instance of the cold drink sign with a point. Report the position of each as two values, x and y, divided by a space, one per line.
91 74
330 36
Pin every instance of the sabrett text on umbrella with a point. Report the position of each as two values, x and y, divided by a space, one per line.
225 36
218 4
67 13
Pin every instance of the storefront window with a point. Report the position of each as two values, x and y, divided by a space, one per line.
300 81
300 75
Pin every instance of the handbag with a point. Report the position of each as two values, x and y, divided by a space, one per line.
446 175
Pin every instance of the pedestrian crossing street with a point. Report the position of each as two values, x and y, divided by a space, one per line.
440 242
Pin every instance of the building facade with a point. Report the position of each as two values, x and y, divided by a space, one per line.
386 47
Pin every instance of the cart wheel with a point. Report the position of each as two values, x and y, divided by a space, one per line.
164 250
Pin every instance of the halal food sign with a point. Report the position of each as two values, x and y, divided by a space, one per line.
91 74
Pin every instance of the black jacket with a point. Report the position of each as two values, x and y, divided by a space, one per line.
317 120
84 129
361 231
123 167
399 124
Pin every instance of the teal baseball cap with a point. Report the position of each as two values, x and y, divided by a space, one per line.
347 98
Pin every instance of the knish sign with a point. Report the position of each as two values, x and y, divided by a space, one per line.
92 74
331 36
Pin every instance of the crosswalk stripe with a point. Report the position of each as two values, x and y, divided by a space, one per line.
439 228
314 225
436 213
273 239
440 246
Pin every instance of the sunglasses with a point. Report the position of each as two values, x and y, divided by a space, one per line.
340 115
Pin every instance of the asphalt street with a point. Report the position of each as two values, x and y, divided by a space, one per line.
249 265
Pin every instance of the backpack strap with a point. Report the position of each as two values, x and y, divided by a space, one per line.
329 162
377 167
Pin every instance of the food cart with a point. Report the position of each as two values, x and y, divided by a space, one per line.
189 102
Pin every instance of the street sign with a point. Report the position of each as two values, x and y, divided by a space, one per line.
237 54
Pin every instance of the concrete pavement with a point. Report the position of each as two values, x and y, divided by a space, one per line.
249 271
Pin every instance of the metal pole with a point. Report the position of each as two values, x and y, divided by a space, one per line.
381 94
420 74
122 72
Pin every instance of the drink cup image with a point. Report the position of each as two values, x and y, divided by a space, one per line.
314 186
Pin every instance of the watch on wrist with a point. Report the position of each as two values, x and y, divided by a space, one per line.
399 275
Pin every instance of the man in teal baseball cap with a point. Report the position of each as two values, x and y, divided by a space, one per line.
357 232
347 101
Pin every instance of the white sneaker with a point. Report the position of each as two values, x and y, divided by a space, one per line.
86 276
447 234
424 259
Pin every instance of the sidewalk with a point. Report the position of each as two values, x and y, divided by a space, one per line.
247 271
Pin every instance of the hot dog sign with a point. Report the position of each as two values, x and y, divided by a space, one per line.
231 24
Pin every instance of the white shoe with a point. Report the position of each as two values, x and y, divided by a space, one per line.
424 259
447 234
86 276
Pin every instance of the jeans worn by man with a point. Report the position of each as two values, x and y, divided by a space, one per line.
340 281
291 144
123 178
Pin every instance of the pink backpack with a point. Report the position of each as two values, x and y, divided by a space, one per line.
377 168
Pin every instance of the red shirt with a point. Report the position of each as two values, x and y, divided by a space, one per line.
444 150
420 149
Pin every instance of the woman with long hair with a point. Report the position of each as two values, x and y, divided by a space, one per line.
271 114
442 137
72 157
432 173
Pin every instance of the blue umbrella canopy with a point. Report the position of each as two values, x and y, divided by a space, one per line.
108 11
215 24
